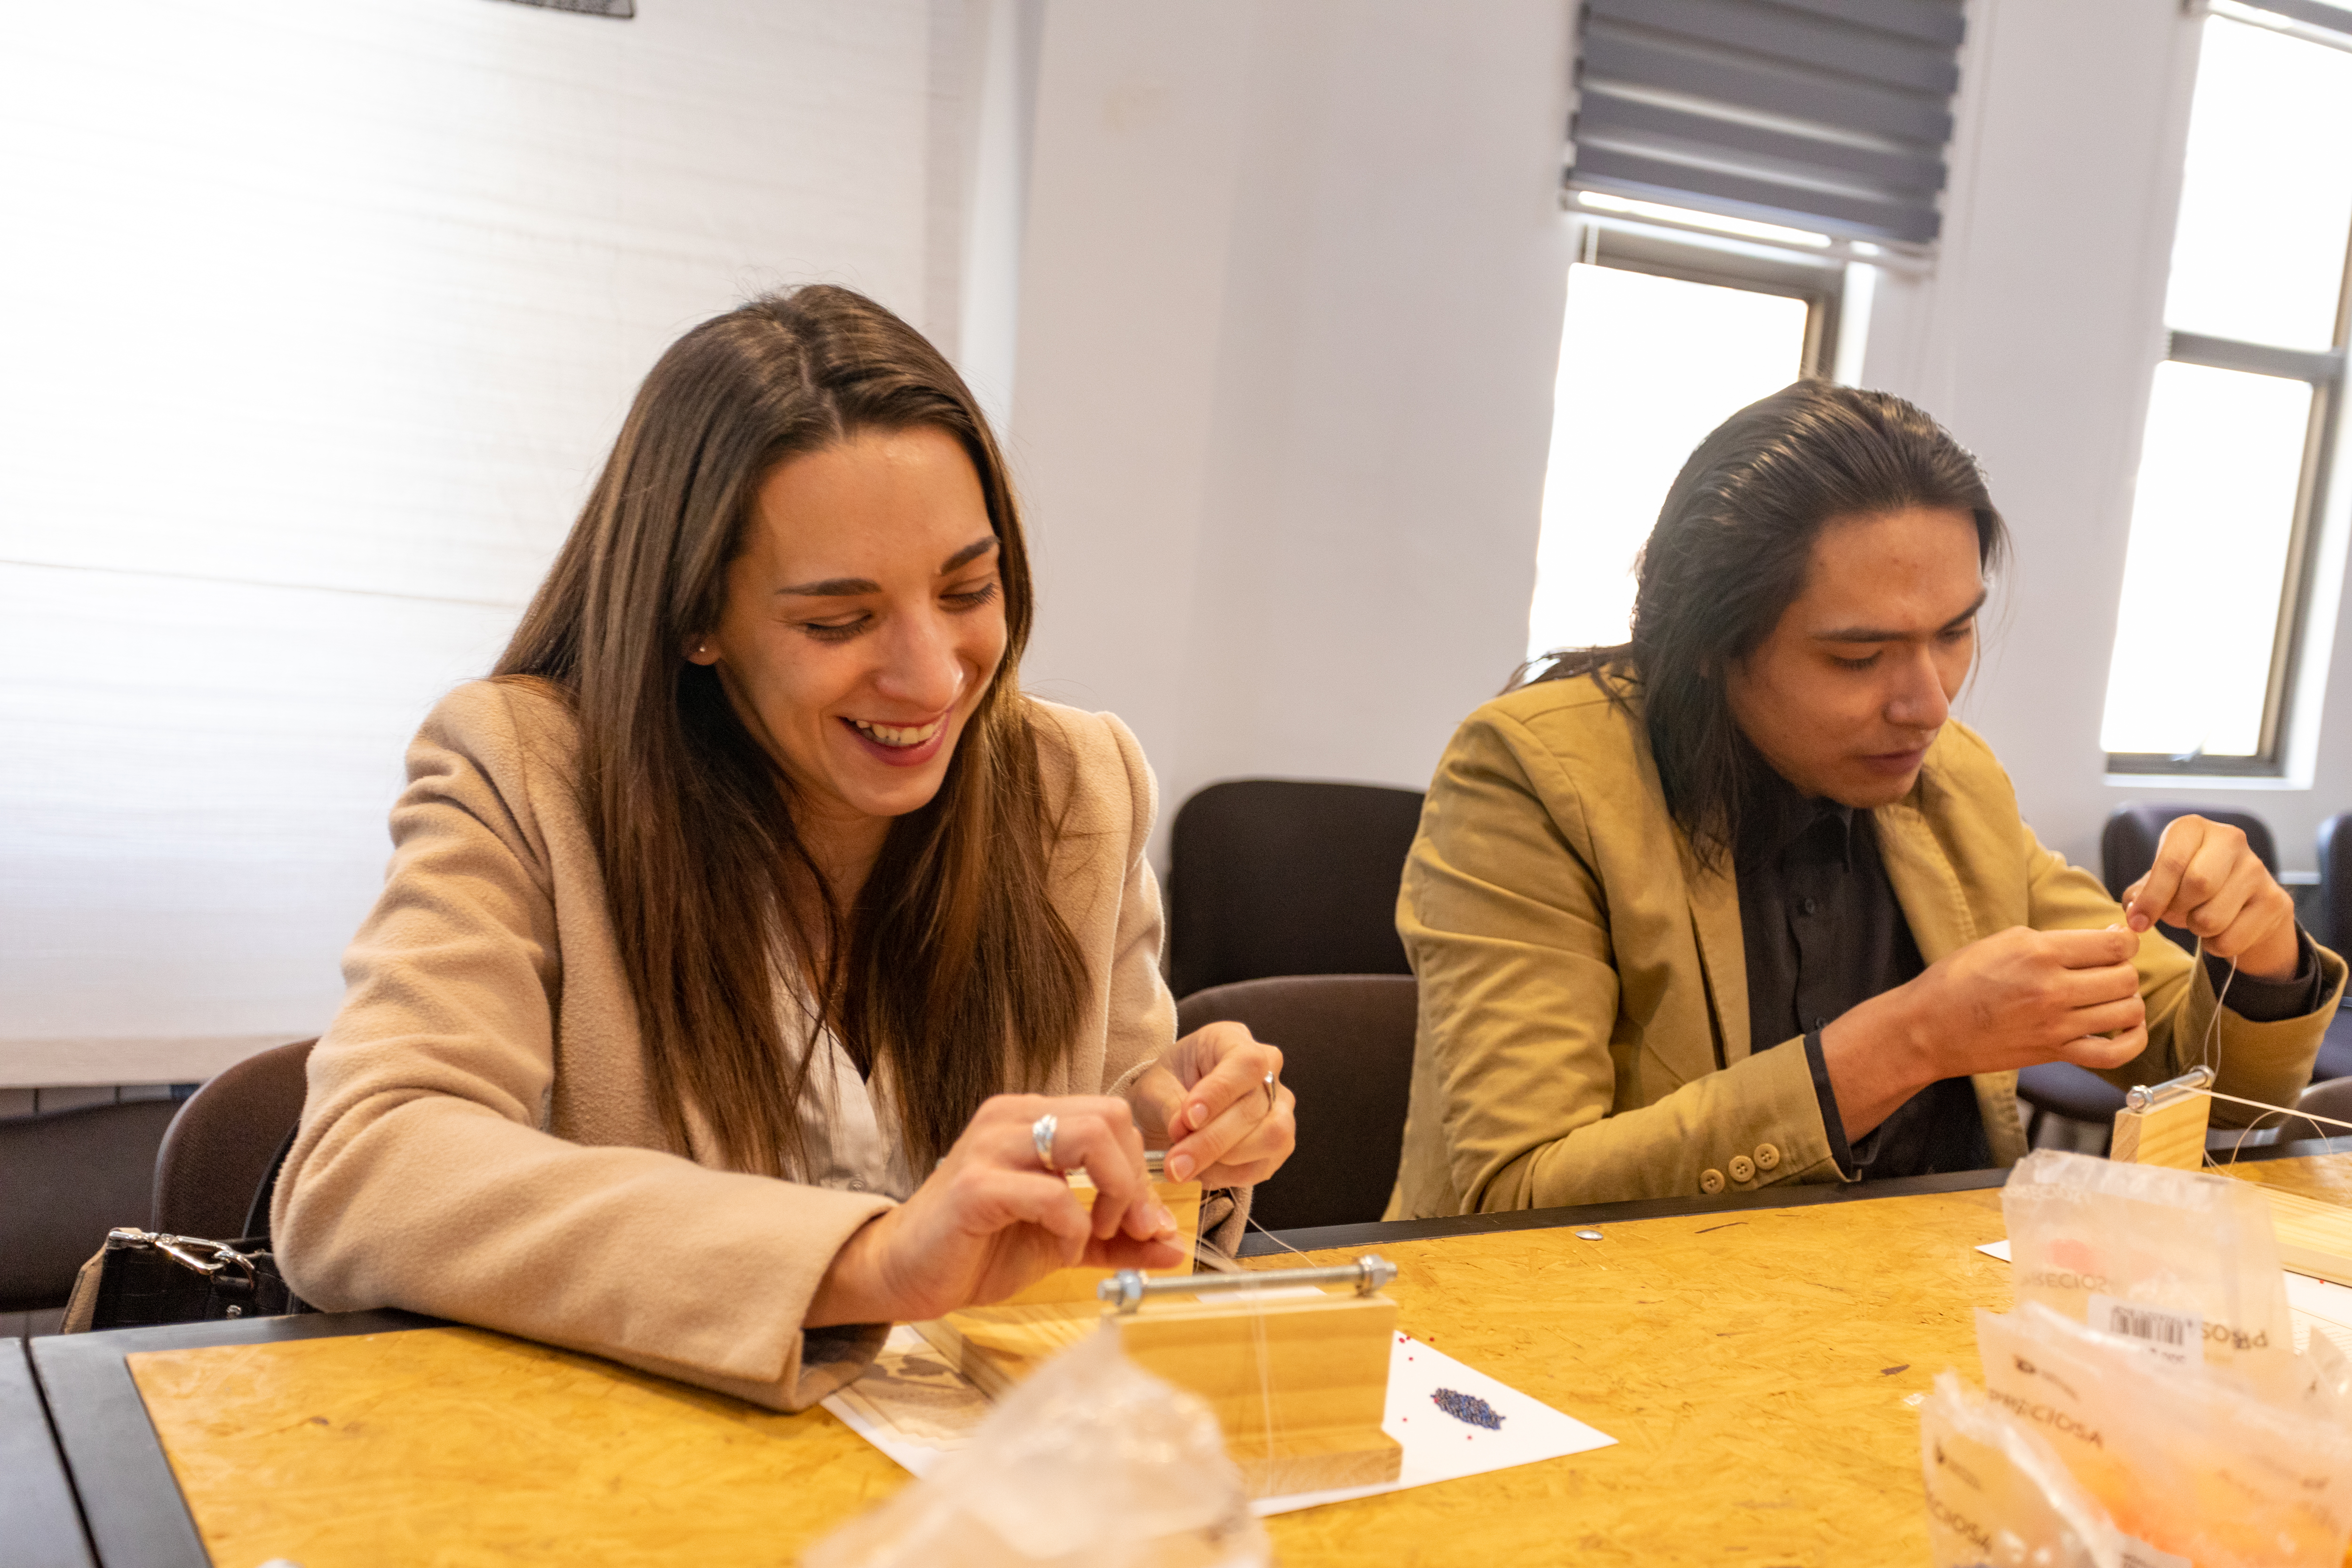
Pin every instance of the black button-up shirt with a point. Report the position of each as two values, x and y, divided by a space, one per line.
1823 932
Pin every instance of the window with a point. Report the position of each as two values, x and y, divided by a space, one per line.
1667 333
2234 462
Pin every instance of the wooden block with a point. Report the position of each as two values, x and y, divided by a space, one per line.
2172 1133
2314 1238
1184 1201
1300 1385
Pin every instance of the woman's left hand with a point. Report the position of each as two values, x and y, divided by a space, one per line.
1216 1103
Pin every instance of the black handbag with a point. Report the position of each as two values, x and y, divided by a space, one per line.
141 1278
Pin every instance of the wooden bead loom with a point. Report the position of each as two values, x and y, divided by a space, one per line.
2165 1125
1296 1376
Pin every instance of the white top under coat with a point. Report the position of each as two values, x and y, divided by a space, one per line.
853 1143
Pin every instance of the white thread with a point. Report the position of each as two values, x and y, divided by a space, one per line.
2212 1040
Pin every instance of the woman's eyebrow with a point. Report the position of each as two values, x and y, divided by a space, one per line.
969 553
850 587
834 587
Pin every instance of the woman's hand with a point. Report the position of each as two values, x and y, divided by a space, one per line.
992 1219
1216 1103
2208 880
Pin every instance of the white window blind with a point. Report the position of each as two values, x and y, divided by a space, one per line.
314 322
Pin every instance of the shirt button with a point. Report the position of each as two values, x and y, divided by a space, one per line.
857 1184
1767 1156
1743 1169
1807 906
1710 1181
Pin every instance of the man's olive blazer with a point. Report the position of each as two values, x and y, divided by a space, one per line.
1583 1028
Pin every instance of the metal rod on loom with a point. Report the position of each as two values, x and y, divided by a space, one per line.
1125 1289
2141 1098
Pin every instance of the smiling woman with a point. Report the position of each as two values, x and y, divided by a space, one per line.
1735 903
755 957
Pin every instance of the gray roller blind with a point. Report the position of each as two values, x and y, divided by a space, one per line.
1830 115
2318 14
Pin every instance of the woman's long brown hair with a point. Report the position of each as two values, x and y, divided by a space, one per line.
950 976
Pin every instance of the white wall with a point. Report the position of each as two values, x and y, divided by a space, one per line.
2035 341
1289 320
1290 302
315 320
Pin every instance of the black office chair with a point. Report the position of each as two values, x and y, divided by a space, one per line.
1273 877
67 1177
2129 843
1347 1054
222 1148
2335 930
2334 882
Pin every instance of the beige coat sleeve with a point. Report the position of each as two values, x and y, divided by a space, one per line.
2270 1062
420 1178
1526 1023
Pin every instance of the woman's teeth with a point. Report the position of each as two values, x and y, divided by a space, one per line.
895 735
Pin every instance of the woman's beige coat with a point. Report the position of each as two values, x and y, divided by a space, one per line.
479 1140
1584 1033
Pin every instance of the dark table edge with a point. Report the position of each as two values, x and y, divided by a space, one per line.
130 1500
1265 1244
40 1520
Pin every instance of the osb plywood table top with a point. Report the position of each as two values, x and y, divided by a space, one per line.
1754 1366
2325 1176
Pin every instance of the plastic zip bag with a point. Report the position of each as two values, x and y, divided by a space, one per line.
1998 1495
2183 1460
2185 1264
1091 1463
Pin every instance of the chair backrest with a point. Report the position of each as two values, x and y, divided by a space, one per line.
2128 847
67 1177
2335 881
1273 877
2331 1099
224 1143
1347 1054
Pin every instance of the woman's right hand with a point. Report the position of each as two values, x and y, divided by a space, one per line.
2009 1000
991 1219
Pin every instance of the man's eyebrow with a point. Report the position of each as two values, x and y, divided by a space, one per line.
850 587
1871 634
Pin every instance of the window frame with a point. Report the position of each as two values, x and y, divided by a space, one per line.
2322 372
1725 263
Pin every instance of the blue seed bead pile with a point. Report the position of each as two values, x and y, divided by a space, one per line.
1467 1407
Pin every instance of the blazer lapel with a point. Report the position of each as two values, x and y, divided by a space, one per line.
1925 884
1722 955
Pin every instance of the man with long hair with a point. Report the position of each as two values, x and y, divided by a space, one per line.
1737 903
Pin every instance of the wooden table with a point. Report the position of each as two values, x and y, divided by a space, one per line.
1758 1361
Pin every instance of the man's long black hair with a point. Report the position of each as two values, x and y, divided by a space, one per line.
1728 555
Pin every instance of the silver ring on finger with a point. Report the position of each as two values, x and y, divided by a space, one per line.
1040 1137
1271 1102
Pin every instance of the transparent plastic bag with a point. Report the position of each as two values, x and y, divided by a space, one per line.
1091 1463
2185 1264
1999 1496
2183 1460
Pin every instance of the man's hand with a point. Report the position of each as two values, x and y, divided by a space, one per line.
2016 997
2208 880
